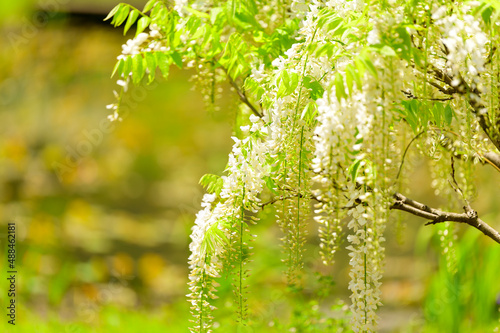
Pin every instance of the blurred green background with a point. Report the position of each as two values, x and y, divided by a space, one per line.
103 211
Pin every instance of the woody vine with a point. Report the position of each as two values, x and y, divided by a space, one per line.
333 95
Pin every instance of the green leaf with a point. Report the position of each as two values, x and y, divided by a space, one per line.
282 85
316 88
149 5
355 75
411 113
138 68
403 43
438 112
329 19
221 236
134 14
199 32
215 15
121 16
253 87
326 49
360 67
339 87
163 62
196 13
448 114
334 24
353 169
418 57
270 184
118 67
151 65
177 58
212 183
388 51
206 40
113 12
245 21
192 26
369 66
349 79
127 67
294 82
259 36
486 15
309 112
288 82
142 24
159 13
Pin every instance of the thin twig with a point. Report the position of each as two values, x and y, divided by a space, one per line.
490 56
491 158
281 197
406 151
457 188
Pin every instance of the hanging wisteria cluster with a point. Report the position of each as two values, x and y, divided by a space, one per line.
333 95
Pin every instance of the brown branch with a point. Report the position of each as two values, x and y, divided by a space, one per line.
493 159
445 91
242 95
410 95
441 76
437 216
471 94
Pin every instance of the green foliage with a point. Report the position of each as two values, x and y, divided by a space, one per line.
211 183
287 83
489 10
466 301
420 114
214 238
236 56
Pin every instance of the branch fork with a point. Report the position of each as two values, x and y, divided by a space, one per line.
435 216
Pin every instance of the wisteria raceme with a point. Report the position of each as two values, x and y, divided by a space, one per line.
290 140
365 272
465 44
209 246
342 125
359 123
344 7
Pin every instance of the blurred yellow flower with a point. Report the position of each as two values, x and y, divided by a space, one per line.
42 229
123 264
151 266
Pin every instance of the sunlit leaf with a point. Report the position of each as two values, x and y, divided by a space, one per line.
134 14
